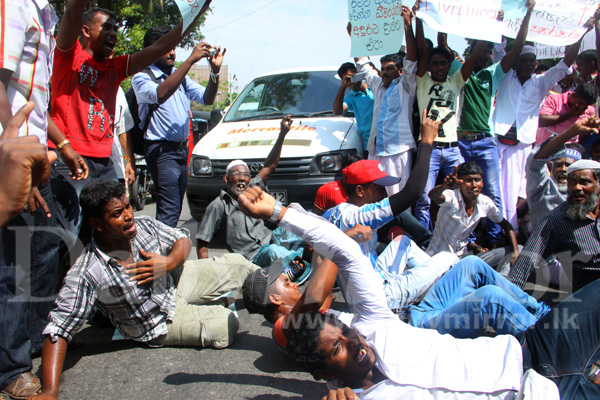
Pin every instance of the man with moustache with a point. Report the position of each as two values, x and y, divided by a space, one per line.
570 231
244 235
167 91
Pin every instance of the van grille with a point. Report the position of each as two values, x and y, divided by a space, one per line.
287 166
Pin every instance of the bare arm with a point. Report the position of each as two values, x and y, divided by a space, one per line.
450 182
421 48
584 126
273 158
77 166
511 57
202 249
338 103
512 237
70 24
53 358
5 109
572 52
411 42
469 64
212 88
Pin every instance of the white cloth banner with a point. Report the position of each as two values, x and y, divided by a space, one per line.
377 27
475 19
189 10
543 51
553 22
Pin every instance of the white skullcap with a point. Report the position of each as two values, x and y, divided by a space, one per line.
527 49
583 164
235 163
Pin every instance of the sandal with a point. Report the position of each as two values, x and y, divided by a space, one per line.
26 385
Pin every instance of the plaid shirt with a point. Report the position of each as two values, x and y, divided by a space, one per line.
26 48
139 312
453 225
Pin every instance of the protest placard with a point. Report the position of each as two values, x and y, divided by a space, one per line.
543 51
377 27
189 10
476 19
554 22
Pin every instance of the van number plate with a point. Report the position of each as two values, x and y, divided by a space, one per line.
280 195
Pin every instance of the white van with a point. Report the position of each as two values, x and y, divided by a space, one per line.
312 151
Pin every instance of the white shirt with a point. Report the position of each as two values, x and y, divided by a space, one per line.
521 103
397 135
419 363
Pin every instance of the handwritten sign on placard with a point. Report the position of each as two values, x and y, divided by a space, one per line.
377 27
543 51
554 22
475 19
189 10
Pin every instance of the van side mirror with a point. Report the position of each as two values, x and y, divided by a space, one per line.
215 117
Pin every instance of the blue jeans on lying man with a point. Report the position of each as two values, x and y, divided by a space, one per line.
472 297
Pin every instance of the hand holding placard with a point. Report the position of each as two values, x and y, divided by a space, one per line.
191 9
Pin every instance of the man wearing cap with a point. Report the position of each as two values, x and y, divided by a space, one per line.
515 120
247 236
570 231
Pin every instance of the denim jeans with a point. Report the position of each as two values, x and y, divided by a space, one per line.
66 194
485 153
28 270
472 297
442 161
408 272
168 166
565 343
286 246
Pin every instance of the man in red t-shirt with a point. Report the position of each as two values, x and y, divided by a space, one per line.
85 82
333 193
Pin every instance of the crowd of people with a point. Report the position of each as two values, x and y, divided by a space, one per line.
478 176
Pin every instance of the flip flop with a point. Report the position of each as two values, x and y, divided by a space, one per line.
26 385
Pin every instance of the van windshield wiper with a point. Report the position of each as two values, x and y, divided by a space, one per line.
312 115
271 115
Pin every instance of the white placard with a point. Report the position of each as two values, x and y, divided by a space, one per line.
189 10
475 19
377 27
543 51
554 22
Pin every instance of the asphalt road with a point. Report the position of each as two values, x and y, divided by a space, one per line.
253 368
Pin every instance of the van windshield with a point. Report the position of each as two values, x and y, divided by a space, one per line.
298 93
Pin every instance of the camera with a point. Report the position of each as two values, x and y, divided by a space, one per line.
358 77
213 52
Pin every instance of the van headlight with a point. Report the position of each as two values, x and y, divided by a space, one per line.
330 162
201 166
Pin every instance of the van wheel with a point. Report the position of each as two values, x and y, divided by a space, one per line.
138 196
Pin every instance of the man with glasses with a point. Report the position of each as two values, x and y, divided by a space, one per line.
245 235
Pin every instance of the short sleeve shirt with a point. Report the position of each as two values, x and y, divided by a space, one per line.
84 96
454 226
556 104
330 195
26 48
478 96
361 104
444 97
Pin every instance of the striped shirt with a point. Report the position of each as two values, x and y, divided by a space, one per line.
453 225
26 49
375 215
139 312
576 244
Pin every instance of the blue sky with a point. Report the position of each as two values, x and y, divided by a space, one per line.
282 34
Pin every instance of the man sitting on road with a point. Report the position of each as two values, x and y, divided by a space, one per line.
462 206
130 272
386 358
249 237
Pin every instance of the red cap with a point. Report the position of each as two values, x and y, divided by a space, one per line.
367 171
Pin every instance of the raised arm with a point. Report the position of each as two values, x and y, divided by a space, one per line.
421 46
451 181
273 158
418 177
143 58
338 103
511 57
411 42
469 64
584 126
70 24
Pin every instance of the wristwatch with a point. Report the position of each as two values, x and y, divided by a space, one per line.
276 212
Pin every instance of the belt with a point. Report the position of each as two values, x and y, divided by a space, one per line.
471 136
444 145
180 145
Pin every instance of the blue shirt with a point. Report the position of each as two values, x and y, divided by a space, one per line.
374 215
361 104
171 121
